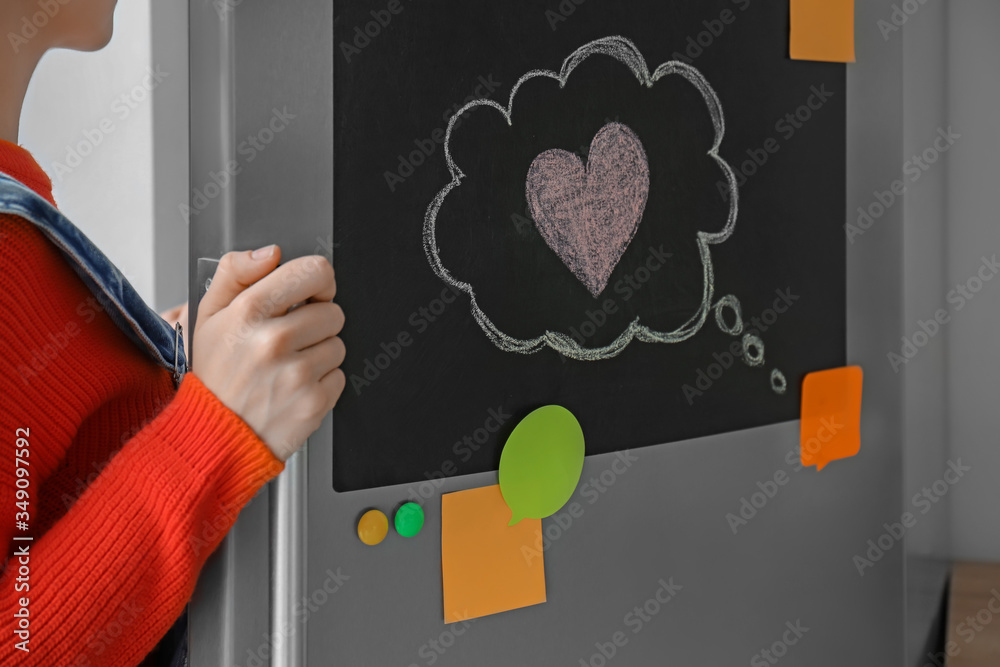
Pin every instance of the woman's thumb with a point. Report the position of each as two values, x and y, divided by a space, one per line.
236 272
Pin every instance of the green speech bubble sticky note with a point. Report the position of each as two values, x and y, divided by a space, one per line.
541 463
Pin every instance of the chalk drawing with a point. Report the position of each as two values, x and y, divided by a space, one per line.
627 53
731 302
589 214
753 350
778 382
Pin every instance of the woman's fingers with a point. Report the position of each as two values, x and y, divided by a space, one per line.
311 323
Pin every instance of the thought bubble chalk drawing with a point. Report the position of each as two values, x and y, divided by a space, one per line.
589 213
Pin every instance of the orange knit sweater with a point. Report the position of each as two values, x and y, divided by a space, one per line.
131 483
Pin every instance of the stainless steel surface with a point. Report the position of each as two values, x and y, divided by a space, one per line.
259 70
229 608
285 642
229 620
288 560
210 221
665 514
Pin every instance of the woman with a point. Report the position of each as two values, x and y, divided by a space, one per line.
118 467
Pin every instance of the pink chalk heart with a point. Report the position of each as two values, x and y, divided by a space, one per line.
589 214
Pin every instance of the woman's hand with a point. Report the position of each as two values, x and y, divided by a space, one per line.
278 370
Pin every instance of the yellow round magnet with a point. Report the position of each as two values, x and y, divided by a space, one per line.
373 527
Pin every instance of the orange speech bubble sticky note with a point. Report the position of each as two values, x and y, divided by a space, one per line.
830 428
822 30
487 566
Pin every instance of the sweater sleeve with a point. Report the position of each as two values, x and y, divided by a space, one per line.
109 578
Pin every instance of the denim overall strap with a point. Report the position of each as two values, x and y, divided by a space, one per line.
117 297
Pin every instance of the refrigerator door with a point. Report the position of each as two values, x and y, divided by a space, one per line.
293 586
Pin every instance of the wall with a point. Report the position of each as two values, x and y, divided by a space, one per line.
925 452
973 377
925 207
87 119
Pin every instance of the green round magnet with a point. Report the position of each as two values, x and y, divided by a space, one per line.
409 519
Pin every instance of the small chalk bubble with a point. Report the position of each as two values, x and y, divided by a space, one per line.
778 382
731 302
753 350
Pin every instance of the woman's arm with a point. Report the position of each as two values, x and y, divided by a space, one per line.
108 579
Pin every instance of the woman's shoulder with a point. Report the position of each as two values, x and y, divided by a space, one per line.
25 251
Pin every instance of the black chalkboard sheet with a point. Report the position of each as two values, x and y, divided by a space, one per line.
648 231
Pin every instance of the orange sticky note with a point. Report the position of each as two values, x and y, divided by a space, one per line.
487 566
831 416
823 30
